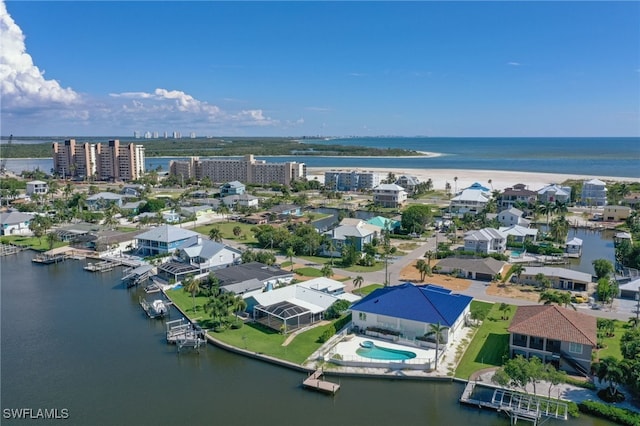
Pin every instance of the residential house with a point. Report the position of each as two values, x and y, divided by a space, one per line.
519 234
632 200
512 216
554 193
232 188
244 200
351 231
282 211
37 187
410 311
573 247
485 269
196 211
329 286
132 190
385 223
103 200
197 255
389 195
518 195
630 290
409 183
469 201
162 239
15 223
171 216
560 278
615 213
594 193
567 345
246 278
132 206
486 240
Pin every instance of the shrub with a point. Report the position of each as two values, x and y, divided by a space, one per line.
340 323
606 411
328 333
236 325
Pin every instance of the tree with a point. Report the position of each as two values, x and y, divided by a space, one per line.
543 281
559 228
52 238
237 231
326 271
416 217
609 370
357 281
603 268
504 310
420 264
436 331
192 286
606 290
517 270
290 254
336 309
215 234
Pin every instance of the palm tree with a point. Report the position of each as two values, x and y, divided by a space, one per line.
290 254
517 270
192 286
436 330
545 209
215 234
504 309
490 183
429 254
52 238
420 264
326 270
237 231
609 370
357 281
455 182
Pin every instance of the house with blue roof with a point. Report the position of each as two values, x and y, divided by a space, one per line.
408 310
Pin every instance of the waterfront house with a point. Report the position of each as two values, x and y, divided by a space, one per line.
389 195
408 311
486 240
516 195
484 269
103 200
232 188
552 193
629 290
519 234
469 200
408 182
594 193
567 345
560 278
282 211
512 216
198 255
245 278
162 239
351 231
613 213
15 223
37 187
573 247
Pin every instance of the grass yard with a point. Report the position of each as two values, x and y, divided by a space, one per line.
364 291
226 228
489 345
612 344
309 272
378 266
31 242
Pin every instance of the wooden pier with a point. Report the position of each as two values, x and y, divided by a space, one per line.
47 259
185 335
9 249
103 266
156 309
516 405
315 382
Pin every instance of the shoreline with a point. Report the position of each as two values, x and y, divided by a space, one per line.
500 179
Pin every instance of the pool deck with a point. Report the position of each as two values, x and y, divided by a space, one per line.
348 348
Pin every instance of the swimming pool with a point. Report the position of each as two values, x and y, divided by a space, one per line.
516 253
369 350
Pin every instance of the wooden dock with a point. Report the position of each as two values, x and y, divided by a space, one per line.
185 335
103 266
47 259
315 382
9 249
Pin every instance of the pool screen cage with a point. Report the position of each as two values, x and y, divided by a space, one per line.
284 316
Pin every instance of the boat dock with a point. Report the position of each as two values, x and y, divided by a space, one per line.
517 405
103 266
47 259
315 382
156 309
136 275
8 249
185 335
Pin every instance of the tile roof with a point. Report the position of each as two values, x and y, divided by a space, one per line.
429 304
555 322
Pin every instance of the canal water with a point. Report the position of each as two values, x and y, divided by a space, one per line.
79 341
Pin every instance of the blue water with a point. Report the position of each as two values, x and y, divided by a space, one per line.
589 156
378 352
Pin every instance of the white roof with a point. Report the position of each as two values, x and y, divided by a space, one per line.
513 211
517 230
388 187
105 196
575 241
471 195
631 285
166 233
323 284
485 234
313 300
549 271
595 182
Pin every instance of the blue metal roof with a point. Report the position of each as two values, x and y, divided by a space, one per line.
428 303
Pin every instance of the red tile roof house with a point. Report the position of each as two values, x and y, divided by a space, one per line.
556 335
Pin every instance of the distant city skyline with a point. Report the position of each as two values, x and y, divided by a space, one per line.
320 68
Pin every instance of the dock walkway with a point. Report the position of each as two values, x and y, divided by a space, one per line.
315 382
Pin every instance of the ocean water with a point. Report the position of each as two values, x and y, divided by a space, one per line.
612 156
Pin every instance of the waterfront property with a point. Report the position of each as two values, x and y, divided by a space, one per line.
594 193
389 195
162 239
15 223
560 278
518 194
552 193
613 213
573 247
352 231
486 240
469 200
519 234
351 180
408 311
567 344
408 182
484 269
511 217
629 290
251 277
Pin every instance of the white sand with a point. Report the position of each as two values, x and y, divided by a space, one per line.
499 179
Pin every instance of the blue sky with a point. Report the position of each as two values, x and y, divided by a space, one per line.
320 68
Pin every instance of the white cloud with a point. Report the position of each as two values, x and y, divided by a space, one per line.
22 84
514 64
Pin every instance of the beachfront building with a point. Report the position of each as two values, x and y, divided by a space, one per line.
567 345
486 241
554 193
594 193
111 161
613 213
485 269
560 278
103 200
389 195
15 223
232 188
37 187
518 195
512 216
162 239
350 180
408 182
469 201
247 170
519 234
408 311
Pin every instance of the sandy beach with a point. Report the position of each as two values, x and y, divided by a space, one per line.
499 179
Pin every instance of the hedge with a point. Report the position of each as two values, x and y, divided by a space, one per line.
606 411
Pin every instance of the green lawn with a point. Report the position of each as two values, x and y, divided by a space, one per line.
378 266
364 291
227 231
612 344
489 345
309 272
31 242
319 259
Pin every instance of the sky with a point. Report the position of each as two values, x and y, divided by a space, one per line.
429 68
